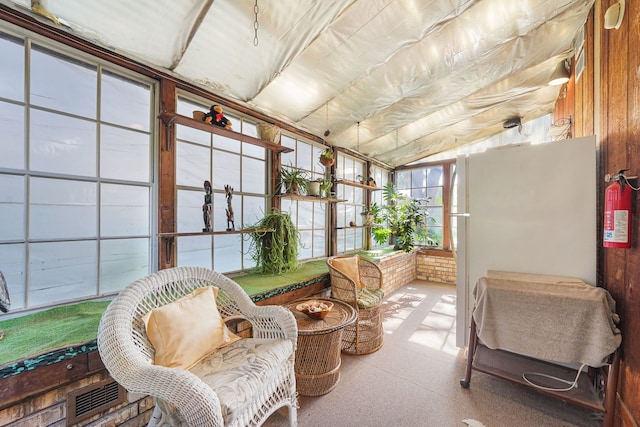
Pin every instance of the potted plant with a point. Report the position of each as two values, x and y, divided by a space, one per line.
292 180
325 188
367 217
326 158
274 251
313 187
398 219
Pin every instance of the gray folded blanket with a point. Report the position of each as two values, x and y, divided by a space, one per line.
546 317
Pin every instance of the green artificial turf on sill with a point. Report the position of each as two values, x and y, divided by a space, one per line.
51 329
256 283
68 325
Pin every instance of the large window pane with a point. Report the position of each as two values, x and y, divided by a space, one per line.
124 154
13 263
124 210
254 175
226 170
193 164
12 208
63 84
190 212
227 252
122 261
194 251
12 140
11 68
62 271
62 209
125 102
253 210
62 144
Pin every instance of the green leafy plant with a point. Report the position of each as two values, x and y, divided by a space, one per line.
274 251
398 219
292 180
326 154
326 157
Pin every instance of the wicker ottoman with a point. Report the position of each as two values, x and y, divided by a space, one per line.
317 365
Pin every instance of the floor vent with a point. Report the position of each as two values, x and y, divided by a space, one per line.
93 399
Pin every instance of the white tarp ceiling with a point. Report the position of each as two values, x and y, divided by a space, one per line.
419 76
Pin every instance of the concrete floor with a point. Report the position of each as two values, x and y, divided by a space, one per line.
413 380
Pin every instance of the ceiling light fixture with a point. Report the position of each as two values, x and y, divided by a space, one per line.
561 74
613 16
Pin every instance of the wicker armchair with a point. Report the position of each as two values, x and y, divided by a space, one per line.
240 384
358 282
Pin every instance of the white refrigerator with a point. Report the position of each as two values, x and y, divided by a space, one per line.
525 208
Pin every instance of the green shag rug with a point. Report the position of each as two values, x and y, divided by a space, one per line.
48 330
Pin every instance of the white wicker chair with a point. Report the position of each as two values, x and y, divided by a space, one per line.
128 354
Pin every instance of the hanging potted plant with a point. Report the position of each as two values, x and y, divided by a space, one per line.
326 158
399 219
274 251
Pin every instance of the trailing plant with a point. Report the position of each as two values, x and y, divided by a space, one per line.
398 219
274 251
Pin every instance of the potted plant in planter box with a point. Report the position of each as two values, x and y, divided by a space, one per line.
398 219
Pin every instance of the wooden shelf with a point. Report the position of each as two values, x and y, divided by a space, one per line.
511 366
309 198
211 233
170 119
353 226
357 184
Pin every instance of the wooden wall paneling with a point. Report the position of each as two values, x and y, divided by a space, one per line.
166 177
630 294
587 81
620 124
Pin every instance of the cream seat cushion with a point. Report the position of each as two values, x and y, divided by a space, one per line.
237 373
187 330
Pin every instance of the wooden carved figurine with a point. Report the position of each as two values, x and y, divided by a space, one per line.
228 193
207 207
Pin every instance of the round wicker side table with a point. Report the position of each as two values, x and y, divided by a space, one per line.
317 364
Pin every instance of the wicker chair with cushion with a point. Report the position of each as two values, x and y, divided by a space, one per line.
358 282
165 335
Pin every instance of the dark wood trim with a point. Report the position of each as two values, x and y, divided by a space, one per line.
166 176
170 119
357 184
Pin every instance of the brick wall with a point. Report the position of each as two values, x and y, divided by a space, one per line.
50 408
436 267
400 269
397 271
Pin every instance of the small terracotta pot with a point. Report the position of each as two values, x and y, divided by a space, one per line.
326 161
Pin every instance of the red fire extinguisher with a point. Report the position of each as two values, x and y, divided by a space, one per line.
617 211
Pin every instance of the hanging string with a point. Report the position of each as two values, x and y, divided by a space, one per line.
358 138
255 24
326 120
